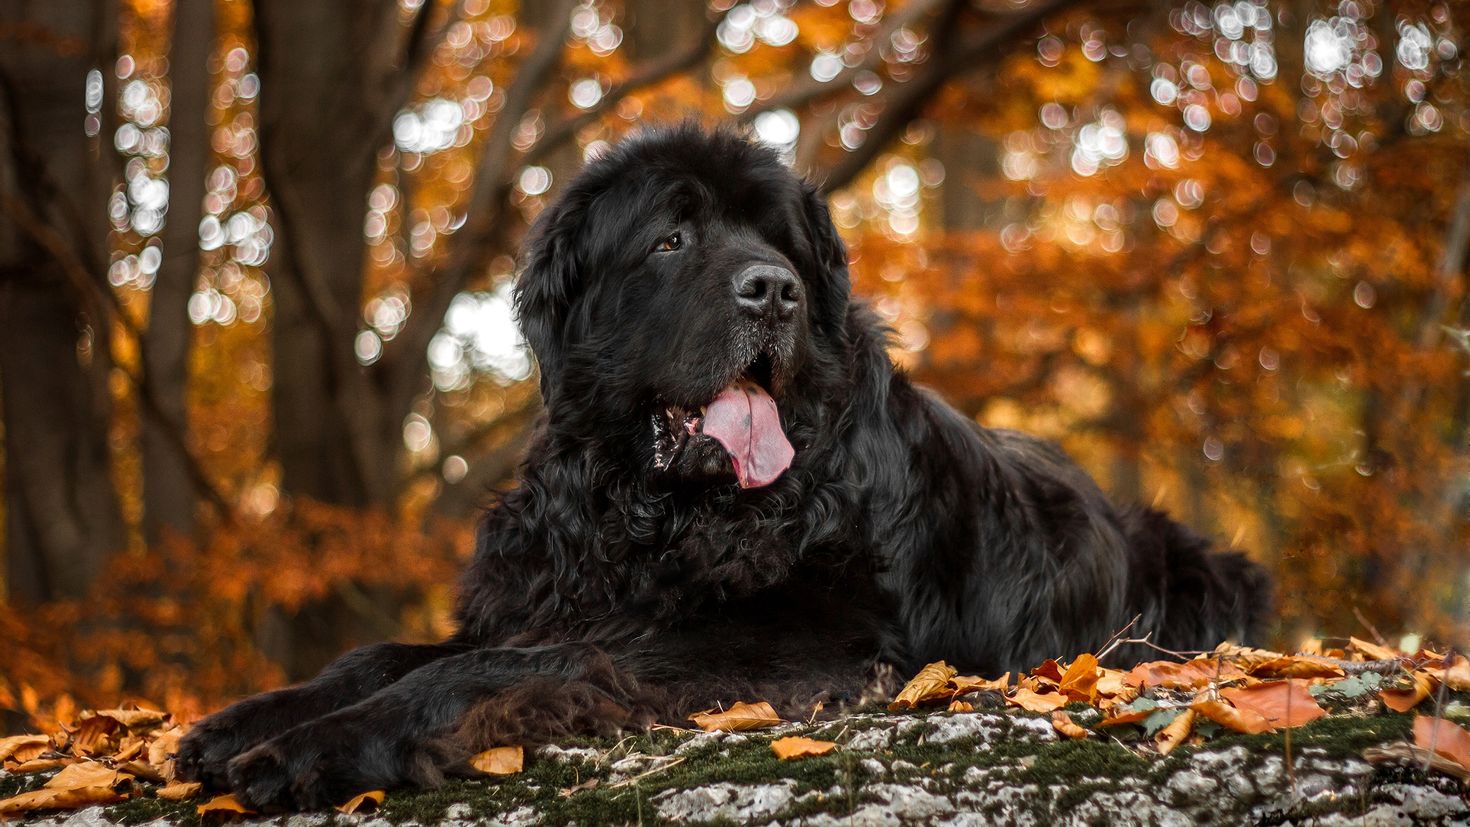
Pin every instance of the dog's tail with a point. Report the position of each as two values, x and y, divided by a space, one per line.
1191 596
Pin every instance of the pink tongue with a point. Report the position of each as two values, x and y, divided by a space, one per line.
745 420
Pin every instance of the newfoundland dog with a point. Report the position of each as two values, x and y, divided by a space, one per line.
733 495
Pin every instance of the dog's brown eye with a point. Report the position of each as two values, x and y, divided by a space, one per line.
670 243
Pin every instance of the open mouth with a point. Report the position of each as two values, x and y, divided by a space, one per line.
743 418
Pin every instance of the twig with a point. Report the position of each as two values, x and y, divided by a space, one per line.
1449 658
1116 639
1372 630
676 760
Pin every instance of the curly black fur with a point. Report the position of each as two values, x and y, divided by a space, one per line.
628 579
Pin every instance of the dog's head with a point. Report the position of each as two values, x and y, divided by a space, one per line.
678 294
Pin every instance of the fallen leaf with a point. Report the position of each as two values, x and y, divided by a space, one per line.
134 719
740 716
1247 721
143 770
932 683
1285 703
961 706
1049 671
793 747
1063 723
500 761
1110 683
50 798
362 803
1035 702
39 764
179 790
1402 753
97 735
1456 677
129 749
1446 739
1134 715
1191 674
1405 699
162 748
86 774
1298 666
1246 657
23 748
222 805
1373 651
965 684
1079 682
1175 733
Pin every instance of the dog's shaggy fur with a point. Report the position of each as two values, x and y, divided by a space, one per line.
628 578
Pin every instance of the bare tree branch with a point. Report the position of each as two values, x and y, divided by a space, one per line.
952 58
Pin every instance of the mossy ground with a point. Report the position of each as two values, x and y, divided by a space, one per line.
562 792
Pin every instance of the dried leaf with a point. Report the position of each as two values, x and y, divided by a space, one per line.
1246 657
1110 683
500 761
1298 666
87 774
161 750
97 735
961 706
1079 682
1063 723
1036 702
1175 733
793 747
179 790
40 764
143 770
1135 715
362 803
1405 699
222 805
1191 674
135 719
1373 651
1445 739
965 684
51 798
932 683
23 748
1285 703
129 749
1049 671
1456 677
740 716
1402 753
1247 721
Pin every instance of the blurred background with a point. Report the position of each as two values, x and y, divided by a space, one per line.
259 367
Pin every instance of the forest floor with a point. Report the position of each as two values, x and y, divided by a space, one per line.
992 765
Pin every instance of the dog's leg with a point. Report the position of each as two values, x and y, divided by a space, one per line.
209 746
406 733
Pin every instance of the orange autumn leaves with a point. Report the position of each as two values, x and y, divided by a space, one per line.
1243 690
760 715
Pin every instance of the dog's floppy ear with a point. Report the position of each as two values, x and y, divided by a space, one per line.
831 257
548 278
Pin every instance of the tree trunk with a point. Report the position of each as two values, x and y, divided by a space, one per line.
169 497
62 518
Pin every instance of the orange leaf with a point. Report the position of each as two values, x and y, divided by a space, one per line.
23 748
1129 717
87 774
1063 723
179 790
1298 666
1403 700
1373 651
1443 738
1247 721
791 748
1079 682
96 735
740 716
500 761
1191 674
961 706
1049 670
222 805
1174 734
52 798
1283 703
965 684
1035 702
930 684
362 803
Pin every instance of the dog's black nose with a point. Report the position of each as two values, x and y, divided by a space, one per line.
767 289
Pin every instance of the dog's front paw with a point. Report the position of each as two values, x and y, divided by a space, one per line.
206 750
323 764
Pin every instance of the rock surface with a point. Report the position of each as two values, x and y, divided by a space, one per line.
978 768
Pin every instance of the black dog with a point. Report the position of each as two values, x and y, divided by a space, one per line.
734 495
